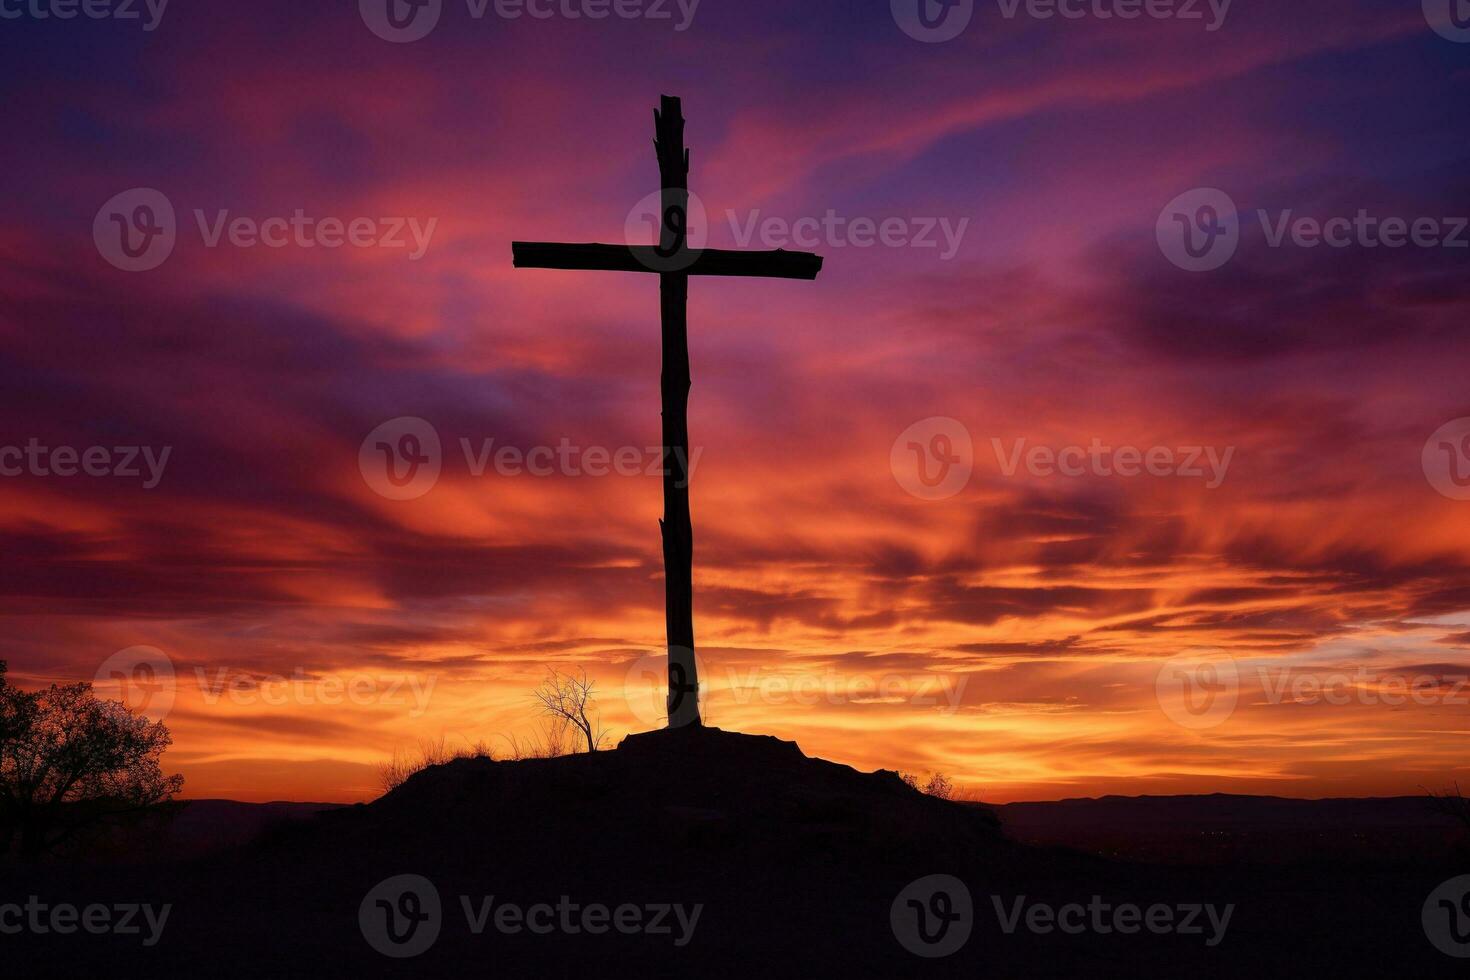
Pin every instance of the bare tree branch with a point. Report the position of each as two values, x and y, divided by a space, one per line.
570 698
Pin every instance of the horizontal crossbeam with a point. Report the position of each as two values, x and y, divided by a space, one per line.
779 264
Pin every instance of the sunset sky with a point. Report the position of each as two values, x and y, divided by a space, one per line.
1010 634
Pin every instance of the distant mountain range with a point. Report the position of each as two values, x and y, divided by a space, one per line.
1174 829
1236 829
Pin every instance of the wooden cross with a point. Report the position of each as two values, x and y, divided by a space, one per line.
674 262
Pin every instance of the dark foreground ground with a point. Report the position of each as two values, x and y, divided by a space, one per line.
711 854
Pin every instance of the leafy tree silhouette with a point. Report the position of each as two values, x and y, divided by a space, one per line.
70 761
11 721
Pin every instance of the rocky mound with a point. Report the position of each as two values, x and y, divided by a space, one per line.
695 789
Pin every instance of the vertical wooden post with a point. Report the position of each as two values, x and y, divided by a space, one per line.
676 527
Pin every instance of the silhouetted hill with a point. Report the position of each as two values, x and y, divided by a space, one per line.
697 786
779 865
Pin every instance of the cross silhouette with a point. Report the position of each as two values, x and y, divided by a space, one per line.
674 262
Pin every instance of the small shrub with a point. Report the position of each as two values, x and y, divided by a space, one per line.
941 786
430 752
938 785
